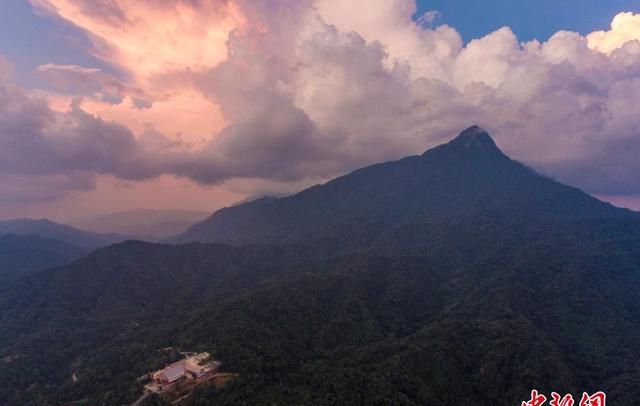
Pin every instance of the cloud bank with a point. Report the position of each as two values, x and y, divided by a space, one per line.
308 89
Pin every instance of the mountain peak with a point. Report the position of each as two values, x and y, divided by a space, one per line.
465 178
474 139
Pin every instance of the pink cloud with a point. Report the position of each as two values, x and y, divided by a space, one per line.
288 92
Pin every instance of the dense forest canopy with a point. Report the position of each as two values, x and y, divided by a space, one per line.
457 277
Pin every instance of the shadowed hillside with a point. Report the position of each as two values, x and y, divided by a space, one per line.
21 254
453 278
49 229
467 180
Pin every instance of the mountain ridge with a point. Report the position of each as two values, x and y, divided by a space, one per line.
62 232
470 173
56 231
455 277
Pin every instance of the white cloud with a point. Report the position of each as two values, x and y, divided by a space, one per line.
625 27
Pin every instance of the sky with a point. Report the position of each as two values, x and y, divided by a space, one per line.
109 105
529 19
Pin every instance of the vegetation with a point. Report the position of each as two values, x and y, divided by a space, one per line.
557 314
474 298
21 254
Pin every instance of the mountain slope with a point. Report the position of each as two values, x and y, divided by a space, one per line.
556 311
48 229
22 254
466 179
456 277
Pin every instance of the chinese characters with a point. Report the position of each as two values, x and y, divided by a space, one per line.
538 399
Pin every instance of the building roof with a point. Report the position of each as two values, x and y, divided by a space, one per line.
173 372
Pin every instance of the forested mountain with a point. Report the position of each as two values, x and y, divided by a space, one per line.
556 313
28 245
468 179
20 254
459 277
49 229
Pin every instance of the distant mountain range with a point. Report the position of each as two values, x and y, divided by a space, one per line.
457 277
51 230
151 223
28 245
